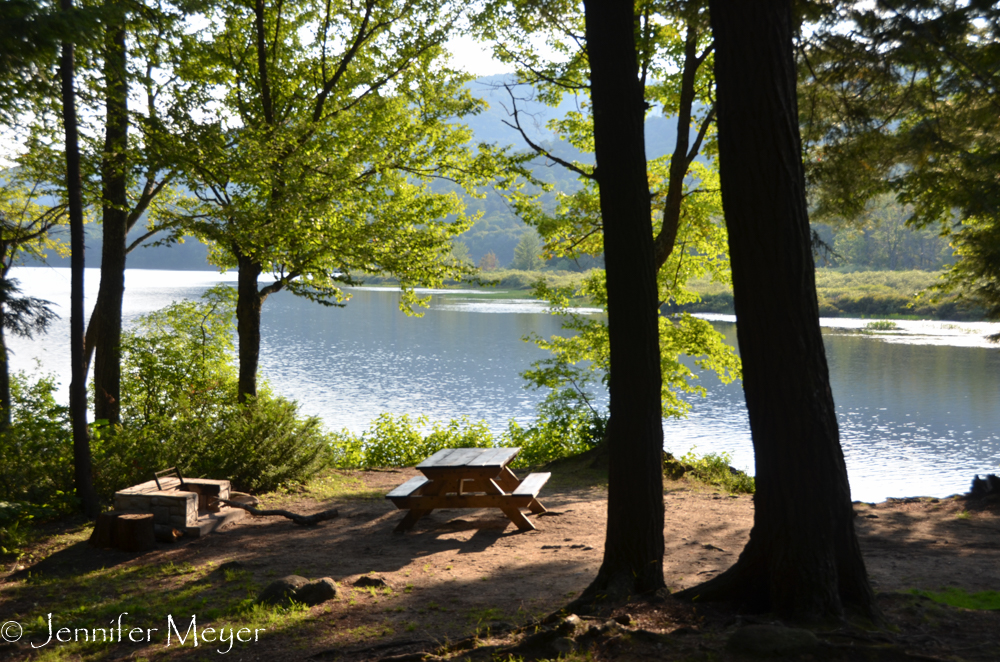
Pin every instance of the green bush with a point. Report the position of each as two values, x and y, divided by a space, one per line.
714 469
36 452
179 408
399 441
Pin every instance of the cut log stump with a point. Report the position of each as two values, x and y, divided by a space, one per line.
129 532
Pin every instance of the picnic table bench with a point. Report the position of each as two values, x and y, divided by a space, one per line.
469 478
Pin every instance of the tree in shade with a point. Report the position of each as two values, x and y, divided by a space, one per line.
633 548
803 560
78 387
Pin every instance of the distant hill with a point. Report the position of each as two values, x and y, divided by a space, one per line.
498 231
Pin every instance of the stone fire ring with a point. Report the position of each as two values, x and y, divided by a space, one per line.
187 506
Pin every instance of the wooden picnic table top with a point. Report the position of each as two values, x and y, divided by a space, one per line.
479 458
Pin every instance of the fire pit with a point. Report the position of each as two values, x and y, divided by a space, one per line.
186 504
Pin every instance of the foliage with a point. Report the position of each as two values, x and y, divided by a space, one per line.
581 361
399 441
881 238
716 469
528 253
901 98
882 325
319 160
179 408
488 262
36 453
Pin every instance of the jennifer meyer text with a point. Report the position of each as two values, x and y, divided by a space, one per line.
174 633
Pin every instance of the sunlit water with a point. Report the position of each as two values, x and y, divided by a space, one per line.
917 407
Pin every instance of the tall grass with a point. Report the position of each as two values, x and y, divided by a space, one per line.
862 294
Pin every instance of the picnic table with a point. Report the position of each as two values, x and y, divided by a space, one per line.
469 478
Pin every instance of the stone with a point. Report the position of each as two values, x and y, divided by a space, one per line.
772 641
316 592
569 625
280 591
368 581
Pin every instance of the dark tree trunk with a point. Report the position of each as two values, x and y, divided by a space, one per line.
633 548
78 386
248 306
802 561
108 311
5 415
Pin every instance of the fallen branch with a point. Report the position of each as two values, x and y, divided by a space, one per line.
302 520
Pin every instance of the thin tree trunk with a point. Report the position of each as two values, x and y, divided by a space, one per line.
802 561
248 307
633 549
5 416
78 388
107 363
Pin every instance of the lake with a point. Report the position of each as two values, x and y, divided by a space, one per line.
917 407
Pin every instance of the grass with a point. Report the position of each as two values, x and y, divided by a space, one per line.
91 604
956 597
880 294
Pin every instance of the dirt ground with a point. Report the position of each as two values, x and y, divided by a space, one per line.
462 573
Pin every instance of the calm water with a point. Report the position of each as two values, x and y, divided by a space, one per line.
917 409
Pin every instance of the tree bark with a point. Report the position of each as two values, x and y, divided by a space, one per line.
802 561
108 310
249 303
633 549
78 388
5 415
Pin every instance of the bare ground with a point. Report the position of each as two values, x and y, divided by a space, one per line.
466 583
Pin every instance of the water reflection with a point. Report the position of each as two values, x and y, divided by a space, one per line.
915 419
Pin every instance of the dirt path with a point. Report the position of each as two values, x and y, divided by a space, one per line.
460 572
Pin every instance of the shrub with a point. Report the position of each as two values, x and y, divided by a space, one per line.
36 452
713 469
179 408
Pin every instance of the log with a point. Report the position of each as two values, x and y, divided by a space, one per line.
101 537
133 532
301 520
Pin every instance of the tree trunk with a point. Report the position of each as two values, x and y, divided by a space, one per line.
5 415
78 388
248 306
633 548
107 363
802 561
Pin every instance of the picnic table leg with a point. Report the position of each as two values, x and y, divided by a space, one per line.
410 519
433 488
507 481
512 512
536 507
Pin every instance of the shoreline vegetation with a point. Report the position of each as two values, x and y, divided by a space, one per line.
856 294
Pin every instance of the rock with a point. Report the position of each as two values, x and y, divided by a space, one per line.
771 641
280 591
569 625
368 581
316 592
232 565
298 589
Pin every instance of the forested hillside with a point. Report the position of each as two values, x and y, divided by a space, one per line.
880 240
